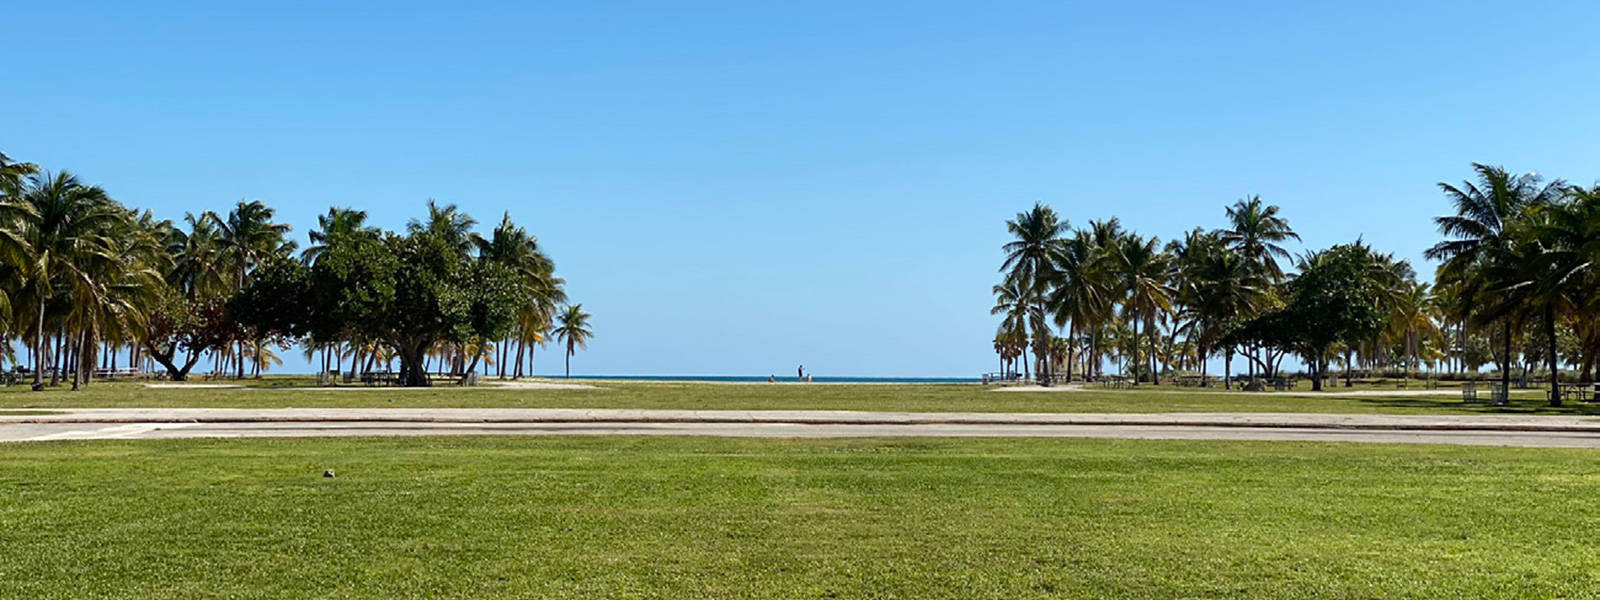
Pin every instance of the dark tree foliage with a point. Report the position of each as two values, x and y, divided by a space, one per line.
276 302
1274 331
352 287
1337 297
410 292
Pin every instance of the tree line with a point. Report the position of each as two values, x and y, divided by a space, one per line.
1514 287
85 280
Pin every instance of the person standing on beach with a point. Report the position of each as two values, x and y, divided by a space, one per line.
800 374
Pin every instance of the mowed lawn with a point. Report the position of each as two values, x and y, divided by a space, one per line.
299 393
629 517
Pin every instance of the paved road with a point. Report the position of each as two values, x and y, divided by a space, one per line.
1543 431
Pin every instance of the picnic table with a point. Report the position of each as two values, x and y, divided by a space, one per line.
1582 392
380 378
1115 382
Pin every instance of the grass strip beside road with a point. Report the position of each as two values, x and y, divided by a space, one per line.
715 518
277 393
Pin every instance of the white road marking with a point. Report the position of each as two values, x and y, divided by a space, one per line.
108 433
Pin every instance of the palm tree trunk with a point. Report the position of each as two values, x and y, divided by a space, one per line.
1227 368
40 342
60 359
83 362
1550 330
1025 372
1155 369
1505 368
1072 350
1349 365
1045 355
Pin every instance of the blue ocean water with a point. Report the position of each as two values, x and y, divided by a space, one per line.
780 378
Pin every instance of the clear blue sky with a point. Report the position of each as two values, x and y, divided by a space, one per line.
737 188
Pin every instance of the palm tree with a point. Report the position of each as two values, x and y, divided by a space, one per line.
13 175
1079 290
199 270
1476 236
450 224
124 292
1411 318
574 331
1545 268
261 356
247 237
518 250
1145 273
1217 286
1257 232
65 225
338 221
15 252
1575 229
1012 300
1039 234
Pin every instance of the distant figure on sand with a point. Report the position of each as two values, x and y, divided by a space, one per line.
800 374
808 378
772 378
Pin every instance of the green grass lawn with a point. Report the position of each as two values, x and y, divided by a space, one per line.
279 392
626 517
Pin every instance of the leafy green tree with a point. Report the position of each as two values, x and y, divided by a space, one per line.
411 292
1336 297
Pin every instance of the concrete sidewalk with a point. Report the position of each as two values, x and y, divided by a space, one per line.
1574 424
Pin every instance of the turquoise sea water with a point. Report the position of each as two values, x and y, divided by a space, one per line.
780 377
